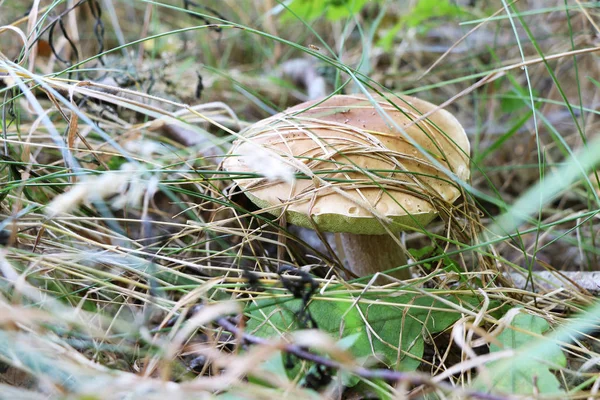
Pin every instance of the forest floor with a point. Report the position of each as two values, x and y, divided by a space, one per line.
133 266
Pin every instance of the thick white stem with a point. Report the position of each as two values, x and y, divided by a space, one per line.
368 254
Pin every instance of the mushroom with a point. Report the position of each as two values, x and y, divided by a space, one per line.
359 175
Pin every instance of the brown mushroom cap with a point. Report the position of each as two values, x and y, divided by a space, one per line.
364 168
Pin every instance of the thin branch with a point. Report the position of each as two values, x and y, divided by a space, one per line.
384 374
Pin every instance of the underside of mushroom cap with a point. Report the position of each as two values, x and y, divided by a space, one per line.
356 168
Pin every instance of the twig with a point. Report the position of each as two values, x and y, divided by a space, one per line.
384 374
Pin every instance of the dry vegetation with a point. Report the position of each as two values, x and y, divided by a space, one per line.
132 267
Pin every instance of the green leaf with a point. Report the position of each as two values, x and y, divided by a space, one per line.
334 10
428 9
115 162
387 41
423 11
393 332
422 252
518 100
524 376
448 264
272 321
276 365
346 343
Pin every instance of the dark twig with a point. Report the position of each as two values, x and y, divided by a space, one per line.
99 30
302 289
187 4
384 374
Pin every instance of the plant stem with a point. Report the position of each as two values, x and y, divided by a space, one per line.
369 254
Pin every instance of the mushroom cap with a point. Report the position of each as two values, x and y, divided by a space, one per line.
358 172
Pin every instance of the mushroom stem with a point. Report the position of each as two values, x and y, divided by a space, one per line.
368 254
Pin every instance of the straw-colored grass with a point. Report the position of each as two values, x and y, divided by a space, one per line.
131 266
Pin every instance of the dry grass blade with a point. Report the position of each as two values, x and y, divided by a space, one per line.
132 265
